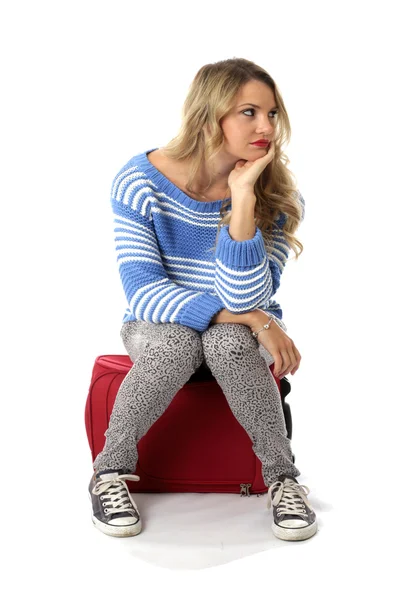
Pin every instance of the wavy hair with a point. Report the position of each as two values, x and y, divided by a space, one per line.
210 98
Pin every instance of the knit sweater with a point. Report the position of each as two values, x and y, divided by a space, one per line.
169 272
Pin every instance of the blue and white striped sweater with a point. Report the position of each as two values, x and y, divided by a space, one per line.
168 270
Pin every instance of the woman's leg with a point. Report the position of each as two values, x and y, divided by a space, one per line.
235 360
165 356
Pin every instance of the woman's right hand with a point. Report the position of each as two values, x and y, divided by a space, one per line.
244 175
281 347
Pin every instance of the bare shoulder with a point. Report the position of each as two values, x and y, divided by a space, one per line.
158 159
167 166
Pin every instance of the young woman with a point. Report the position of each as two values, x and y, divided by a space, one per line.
203 230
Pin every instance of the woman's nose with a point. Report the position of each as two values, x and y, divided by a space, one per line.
266 129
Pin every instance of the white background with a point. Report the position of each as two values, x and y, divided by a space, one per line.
86 85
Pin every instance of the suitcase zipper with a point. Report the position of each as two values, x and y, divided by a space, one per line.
245 489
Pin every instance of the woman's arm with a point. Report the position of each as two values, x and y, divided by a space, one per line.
224 316
242 226
280 346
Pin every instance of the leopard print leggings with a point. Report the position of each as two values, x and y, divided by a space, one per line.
165 356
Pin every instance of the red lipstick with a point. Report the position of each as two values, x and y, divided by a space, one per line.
261 143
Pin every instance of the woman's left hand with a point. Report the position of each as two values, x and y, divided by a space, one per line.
245 174
281 347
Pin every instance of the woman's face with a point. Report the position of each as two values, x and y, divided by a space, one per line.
246 124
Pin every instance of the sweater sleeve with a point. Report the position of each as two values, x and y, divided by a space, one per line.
150 294
248 273
243 279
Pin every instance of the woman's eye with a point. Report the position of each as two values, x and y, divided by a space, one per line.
273 112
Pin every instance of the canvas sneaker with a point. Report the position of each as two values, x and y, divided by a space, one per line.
114 511
293 517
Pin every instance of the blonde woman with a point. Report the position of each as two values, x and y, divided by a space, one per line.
203 229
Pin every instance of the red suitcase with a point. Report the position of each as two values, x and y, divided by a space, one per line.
197 445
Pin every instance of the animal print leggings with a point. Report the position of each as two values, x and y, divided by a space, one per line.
165 356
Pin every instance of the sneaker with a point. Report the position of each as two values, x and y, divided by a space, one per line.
294 518
113 510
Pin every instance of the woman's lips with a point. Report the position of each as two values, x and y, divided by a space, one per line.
261 144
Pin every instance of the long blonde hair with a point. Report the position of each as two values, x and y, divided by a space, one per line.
210 97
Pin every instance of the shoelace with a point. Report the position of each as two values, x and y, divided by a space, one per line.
117 499
291 496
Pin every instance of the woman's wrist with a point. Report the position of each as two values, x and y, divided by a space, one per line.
257 318
225 316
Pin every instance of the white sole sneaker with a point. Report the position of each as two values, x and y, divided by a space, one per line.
293 534
114 512
116 530
293 517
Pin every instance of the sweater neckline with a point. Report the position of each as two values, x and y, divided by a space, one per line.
171 189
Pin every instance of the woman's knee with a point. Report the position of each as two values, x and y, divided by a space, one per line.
178 336
176 341
225 339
